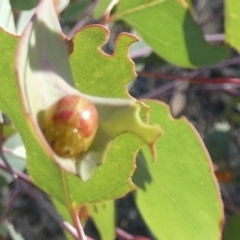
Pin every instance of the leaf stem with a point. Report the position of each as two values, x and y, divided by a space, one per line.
126 236
78 226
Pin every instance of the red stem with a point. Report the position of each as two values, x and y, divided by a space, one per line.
126 236
78 226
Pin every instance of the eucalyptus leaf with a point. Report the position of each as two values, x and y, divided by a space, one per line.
232 229
103 216
180 187
24 4
168 27
103 6
74 11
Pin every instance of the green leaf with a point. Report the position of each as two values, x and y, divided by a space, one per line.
8 87
23 4
103 216
178 196
102 6
168 27
73 12
232 23
217 143
232 228
104 75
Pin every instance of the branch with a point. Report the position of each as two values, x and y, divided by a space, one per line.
191 79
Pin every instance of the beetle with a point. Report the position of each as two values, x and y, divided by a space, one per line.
70 125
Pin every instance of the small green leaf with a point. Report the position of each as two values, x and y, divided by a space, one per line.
104 75
232 228
23 4
217 143
168 27
102 6
73 12
178 192
103 216
232 23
